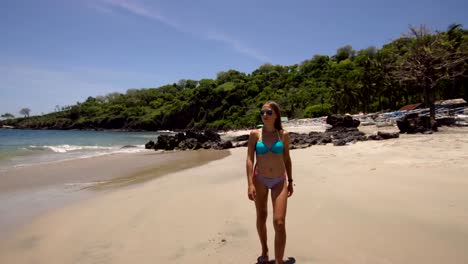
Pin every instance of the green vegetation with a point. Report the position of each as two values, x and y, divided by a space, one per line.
25 112
420 67
7 115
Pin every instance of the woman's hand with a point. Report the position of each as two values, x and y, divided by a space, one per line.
290 189
252 193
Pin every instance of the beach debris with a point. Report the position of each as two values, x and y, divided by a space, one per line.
462 119
451 112
411 107
446 121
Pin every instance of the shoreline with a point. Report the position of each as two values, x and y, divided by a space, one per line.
29 191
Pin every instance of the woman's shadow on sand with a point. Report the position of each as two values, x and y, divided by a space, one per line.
290 260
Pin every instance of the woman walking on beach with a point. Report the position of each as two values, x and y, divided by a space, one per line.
272 171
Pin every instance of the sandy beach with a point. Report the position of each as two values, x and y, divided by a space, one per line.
28 191
379 202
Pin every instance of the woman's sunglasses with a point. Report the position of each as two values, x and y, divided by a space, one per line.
268 112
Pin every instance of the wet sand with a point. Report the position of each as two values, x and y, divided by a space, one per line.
397 201
26 192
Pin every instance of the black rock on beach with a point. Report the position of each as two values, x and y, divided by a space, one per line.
343 130
189 140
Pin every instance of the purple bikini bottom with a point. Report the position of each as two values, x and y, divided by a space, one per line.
270 182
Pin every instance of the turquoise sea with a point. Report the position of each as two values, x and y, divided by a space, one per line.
25 147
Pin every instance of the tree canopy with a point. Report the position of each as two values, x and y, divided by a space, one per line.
25 111
7 115
420 66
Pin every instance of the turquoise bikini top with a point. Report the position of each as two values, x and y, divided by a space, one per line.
261 148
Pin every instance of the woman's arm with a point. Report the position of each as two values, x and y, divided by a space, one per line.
287 162
287 158
251 156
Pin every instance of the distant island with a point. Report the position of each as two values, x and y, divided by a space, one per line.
419 67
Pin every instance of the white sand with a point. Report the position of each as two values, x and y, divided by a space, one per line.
305 126
395 201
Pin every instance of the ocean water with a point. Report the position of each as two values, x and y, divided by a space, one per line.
26 147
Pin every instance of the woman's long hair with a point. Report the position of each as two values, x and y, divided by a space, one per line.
276 108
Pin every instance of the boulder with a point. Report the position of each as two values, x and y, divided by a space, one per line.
190 140
200 137
226 145
375 137
413 123
149 145
241 144
342 121
190 143
242 138
339 142
212 136
166 142
388 135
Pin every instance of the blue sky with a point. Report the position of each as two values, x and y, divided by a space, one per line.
58 52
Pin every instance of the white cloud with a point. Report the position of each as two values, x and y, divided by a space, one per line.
237 45
145 11
100 8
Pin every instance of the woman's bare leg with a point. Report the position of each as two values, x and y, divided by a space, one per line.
279 197
261 203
